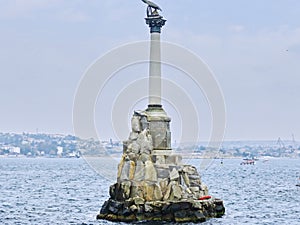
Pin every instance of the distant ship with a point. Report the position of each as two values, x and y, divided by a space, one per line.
248 162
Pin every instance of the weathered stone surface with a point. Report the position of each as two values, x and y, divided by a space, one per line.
179 211
188 191
172 159
125 170
191 170
204 189
139 201
120 166
148 208
174 175
133 208
145 142
150 172
162 172
112 191
134 147
168 190
137 190
144 123
139 174
131 170
135 124
164 184
144 157
186 179
157 193
160 159
125 188
133 136
152 185
149 192
195 189
176 192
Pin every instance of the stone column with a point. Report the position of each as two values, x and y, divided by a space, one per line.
155 23
158 120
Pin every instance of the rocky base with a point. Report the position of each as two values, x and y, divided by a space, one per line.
152 183
176 211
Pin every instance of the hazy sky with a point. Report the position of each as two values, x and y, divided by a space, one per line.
253 48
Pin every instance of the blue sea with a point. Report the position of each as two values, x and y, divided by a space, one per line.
69 191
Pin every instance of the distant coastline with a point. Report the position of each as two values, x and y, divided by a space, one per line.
69 146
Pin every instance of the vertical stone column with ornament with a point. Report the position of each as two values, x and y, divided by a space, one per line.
152 183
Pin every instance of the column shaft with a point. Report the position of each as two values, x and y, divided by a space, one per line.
155 70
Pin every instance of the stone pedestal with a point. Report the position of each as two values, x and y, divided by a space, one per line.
152 183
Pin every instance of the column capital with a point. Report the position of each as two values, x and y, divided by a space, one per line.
155 23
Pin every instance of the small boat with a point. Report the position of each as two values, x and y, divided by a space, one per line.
248 162
206 197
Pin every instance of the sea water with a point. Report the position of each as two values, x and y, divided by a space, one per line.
69 191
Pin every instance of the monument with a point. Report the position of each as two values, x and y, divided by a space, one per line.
152 182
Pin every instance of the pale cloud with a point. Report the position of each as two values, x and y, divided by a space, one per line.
236 28
73 15
55 9
24 8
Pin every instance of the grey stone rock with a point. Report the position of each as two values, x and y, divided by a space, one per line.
162 172
112 191
133 136
172 159
157 194
105 208
148 191
164 184
196 182
152 183
168 191
160 159
204 189
137 190
114 206
176 192
145 157
120 167
133 208
131 170
195 189
188 191
174 175
148 208
144 122
186 179
179 215
197 204
140 171
200 216
150 172
135 124
125 171
190 169
134 147
132 156
145 142
125 188
138 201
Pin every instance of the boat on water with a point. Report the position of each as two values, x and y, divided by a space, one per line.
248 162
